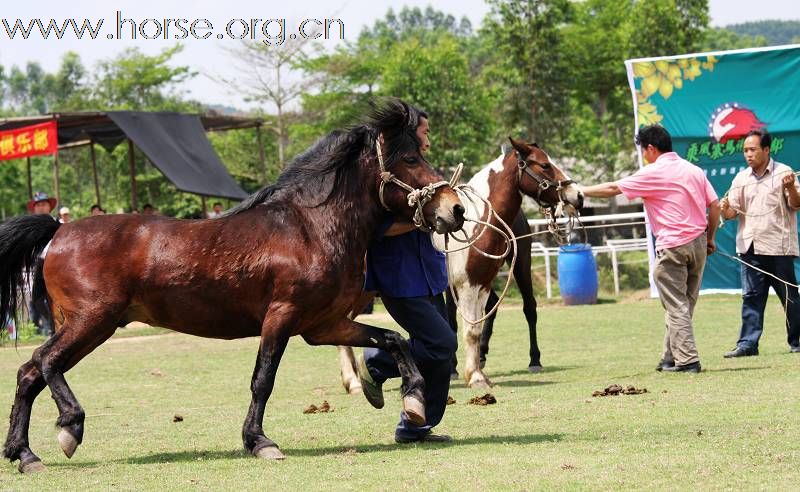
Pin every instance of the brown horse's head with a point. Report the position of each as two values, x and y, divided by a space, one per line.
395 124
543 181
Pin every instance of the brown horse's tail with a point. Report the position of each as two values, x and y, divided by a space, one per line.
22 240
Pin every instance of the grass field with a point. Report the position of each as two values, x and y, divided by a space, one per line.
734 426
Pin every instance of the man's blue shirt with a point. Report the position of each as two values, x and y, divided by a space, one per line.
406 265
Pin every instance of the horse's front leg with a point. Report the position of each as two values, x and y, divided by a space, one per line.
354 334
347 366
274 337
471 303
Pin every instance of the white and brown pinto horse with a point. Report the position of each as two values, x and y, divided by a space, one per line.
528 170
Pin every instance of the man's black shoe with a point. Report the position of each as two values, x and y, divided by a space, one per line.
694 367
662 364
429 437
741 352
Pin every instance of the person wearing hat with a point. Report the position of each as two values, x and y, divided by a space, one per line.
41 203
38 307
63 215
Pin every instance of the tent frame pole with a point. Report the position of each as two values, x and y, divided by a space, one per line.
94 173
132 167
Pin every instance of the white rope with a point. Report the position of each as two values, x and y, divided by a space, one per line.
417 198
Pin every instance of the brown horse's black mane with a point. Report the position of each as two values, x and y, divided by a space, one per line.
325 169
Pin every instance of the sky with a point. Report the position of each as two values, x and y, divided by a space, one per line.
208 56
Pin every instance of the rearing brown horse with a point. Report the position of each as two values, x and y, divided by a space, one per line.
287 261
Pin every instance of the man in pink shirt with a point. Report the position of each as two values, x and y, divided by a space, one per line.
676 195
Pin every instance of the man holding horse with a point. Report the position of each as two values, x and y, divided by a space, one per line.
411 277
676 195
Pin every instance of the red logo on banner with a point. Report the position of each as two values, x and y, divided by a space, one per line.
731 121
29 140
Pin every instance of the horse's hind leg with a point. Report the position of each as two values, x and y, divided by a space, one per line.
522 274
29 384
355 334
71 343
488 326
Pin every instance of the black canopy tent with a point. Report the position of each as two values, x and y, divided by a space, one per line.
175 143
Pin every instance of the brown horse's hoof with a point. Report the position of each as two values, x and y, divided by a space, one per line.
31 467
270 453
535 369
414 409
67 442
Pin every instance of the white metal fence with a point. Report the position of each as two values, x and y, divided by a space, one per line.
611 246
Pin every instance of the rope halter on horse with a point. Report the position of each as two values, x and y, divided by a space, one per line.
550 211
543 182
417 197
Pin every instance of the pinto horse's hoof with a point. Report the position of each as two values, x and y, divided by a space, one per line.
29 467
67 442
479 381
535 369
270 453
354 387
414 409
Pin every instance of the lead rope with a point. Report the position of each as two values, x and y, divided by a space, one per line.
508 237
722 223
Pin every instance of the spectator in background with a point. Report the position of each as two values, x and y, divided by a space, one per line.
676 194
97 210
216 211
38 307
41 203
765 198
63 215
148 209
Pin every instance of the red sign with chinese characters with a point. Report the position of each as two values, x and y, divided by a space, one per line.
29 140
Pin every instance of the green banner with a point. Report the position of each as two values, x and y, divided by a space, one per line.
708 102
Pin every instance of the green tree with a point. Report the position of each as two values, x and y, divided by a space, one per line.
530 64
135 81
420 56
600 108
437 78
668 27
720 39
776 32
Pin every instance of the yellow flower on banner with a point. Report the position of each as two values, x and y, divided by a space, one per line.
693 71
664 77
644 69
648 113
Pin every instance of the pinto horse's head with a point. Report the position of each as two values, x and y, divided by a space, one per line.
405 177
543 181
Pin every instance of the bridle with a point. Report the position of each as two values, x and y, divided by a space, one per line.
417 197
544 183
550 210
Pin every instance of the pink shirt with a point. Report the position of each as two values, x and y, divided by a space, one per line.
676 194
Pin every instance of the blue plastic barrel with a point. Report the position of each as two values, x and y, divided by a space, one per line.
577 274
